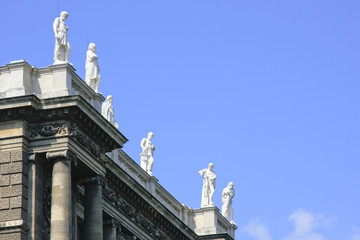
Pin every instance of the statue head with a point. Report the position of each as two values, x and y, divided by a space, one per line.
231 184
150 135
109 99
92 47
64 15
211 166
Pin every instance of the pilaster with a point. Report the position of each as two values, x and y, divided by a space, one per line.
35 194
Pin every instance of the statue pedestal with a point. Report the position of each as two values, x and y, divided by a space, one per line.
209 221
18 78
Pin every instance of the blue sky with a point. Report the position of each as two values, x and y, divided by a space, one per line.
266 90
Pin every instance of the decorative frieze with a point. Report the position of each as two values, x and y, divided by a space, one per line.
135 215
86 142
65 129
49 130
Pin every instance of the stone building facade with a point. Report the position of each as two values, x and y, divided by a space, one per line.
63 175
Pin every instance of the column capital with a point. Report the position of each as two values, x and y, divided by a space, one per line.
64 154
99 180
112 223
32 157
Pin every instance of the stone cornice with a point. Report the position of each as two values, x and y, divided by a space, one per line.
224 236
73 108
20 102
59 66
169 223
19 64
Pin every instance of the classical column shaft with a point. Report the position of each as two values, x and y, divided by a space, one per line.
93 219
61 209
35 190
110 230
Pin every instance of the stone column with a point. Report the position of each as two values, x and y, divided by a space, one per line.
74 212
35 191
61 204
93 218
110 227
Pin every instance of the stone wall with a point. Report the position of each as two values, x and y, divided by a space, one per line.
13 192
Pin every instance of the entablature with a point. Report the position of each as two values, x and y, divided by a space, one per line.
47 116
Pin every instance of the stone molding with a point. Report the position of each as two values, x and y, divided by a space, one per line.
57 111
151 184
130 201
160 195
132 168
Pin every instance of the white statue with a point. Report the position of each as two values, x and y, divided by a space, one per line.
92 77
208 185
227 195
147 154
62 45
108 111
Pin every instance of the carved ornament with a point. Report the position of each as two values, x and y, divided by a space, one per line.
49 130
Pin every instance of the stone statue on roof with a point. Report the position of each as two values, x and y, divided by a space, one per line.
108 111
208 189
227 195
62 45
147 154
92 77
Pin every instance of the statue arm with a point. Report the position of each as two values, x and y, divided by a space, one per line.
91 55
202 171
55 26
143 142
223 196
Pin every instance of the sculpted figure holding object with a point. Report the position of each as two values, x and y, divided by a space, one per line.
227 195
147 154
62 45
92 77
208 185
